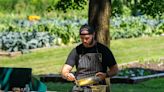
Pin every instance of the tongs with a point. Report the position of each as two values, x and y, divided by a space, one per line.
76 82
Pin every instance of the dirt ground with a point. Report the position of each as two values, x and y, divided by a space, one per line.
159 65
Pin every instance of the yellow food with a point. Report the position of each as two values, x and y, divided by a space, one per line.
86 81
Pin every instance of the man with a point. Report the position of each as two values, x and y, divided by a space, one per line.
91 58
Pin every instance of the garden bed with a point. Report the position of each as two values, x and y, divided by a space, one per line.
136 79
137 72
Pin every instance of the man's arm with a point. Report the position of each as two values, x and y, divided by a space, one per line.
65 72
113 70
70 62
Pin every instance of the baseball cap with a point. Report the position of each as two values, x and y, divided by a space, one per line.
86 27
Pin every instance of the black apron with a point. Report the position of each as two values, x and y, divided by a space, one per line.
88 65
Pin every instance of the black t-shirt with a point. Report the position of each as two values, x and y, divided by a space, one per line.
108 59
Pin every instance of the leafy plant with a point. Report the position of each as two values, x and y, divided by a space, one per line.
134 72
132 27
65 30
23 41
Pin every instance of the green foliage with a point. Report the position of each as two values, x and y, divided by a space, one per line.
64 31
7 4
117 7
138 7
23 41
65 34
132 27
134 72
151 7
26 6
65 5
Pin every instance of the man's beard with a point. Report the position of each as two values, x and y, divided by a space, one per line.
92 41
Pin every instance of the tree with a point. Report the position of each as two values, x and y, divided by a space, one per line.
98 15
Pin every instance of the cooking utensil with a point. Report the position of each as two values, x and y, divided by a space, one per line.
87 81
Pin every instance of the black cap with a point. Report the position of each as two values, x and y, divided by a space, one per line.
86 27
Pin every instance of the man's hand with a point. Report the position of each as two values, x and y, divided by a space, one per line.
101 75
70 77
65 72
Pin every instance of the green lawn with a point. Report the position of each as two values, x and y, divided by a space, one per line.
126 50
50 60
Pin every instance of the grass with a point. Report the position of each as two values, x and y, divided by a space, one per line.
59 87
50 60
42 62
140 49
154 85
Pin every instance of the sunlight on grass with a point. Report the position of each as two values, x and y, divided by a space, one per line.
126 50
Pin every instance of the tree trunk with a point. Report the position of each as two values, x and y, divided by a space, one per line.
99 14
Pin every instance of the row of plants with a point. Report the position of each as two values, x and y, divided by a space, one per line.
23 41
66 31
132 27
120 26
